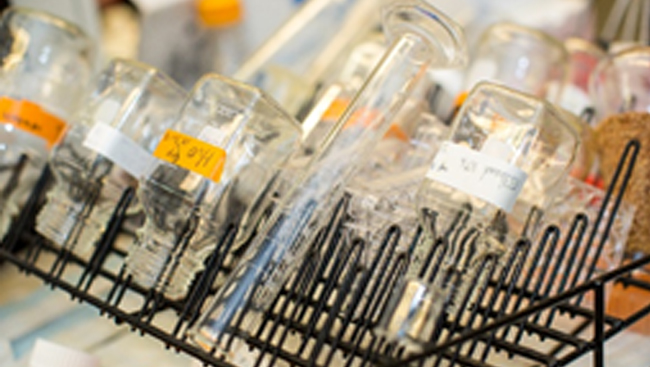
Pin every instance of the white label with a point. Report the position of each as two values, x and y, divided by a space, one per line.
119 148
480 175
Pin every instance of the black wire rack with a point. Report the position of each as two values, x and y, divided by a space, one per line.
543 304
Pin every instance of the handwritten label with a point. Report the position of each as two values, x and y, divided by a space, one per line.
480 175
192 154
119 148
30 117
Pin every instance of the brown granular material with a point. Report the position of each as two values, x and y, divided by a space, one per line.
612 135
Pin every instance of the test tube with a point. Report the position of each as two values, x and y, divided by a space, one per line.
422 38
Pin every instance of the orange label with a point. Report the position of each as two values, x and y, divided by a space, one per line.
336 109
31 118
192 154
364 116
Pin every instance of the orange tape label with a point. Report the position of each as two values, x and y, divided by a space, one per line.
192 154
31 118
363 116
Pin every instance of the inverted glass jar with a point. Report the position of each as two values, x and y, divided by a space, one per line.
621 83
106 151
506 156
211 165
521 58
45 67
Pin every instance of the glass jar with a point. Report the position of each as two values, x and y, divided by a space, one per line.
106 151
621 83
506 157
45 66
521 58
214 161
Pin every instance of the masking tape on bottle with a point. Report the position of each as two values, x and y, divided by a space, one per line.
480 175
31 118
119 148
192 154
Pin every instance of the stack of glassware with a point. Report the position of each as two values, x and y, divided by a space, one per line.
359 116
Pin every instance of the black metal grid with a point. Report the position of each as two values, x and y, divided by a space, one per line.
328 310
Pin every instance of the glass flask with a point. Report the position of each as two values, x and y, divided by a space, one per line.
521 58
106 151
621 83
422 38
506 157
46 64
212 163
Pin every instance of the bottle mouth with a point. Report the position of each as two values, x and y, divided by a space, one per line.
58 220
411 314
444 41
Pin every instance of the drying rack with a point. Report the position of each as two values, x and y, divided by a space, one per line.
549 314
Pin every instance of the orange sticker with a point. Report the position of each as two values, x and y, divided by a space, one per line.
192 154
336 109
460 99
31 118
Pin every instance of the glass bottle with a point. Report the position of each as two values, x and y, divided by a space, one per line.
507 155
106 151
422 38
621 83
316 126
212 163
45 67
583 58
300 57
226 47
521 58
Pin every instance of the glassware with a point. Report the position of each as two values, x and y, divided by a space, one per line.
213 42
621 83
215 160
583 58
45 69
106 151
316 126
226 45
579 198
507 155
293 62
383 190
521 58
423 38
